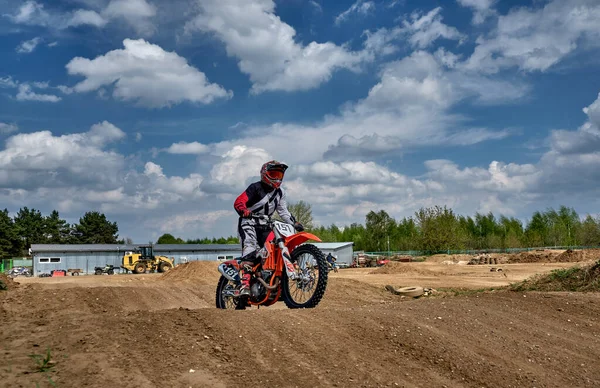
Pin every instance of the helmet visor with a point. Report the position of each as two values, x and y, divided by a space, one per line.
275 174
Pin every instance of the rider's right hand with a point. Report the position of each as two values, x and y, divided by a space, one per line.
247 213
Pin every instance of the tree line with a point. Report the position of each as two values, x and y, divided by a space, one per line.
437 228
431 229
30 226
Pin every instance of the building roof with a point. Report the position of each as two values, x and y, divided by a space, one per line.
157 247
334 245
130 247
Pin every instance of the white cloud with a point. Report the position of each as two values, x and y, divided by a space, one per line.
266 48
573 159
426 29
103 133
360 7
31 12
40 159
380 41
26 93
86 17
535 39
482 9
6 128
28 46
410 107
196 220
146 74
235 169
8 82
138 136
193 148
137 13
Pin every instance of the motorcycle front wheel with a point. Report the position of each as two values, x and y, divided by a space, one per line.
307 290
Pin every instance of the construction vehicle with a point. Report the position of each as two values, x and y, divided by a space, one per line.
142 259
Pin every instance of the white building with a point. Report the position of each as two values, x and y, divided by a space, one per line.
47 257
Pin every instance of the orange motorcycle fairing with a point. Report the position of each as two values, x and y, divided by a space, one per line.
294 240
270 261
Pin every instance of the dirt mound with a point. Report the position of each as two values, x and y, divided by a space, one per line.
401 268
570 256
440 258
7 283
349 292
586 278
544 256
201 272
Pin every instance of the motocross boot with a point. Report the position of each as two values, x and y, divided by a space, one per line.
246 263
245 286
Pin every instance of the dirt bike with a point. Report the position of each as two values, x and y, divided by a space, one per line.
287 270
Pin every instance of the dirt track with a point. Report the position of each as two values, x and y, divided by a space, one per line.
151 331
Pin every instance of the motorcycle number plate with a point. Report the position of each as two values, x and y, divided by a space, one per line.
229 272
284 229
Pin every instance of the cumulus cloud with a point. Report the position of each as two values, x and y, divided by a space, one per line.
482 9
42 159
86 17
235 169
361 7
411 106
27 46
193 148
266 48
535 39
573 159
137 13
146 74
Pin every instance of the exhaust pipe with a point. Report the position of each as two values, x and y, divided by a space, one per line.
270 288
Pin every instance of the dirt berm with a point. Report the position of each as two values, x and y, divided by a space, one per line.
199 272
7 283
395 267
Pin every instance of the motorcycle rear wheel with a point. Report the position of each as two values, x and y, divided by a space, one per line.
228 302
308 290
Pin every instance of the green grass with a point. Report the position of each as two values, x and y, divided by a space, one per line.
43 363
576 279
3 286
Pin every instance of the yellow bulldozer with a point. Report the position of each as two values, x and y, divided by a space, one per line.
142 259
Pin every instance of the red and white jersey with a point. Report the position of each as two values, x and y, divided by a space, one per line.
260 201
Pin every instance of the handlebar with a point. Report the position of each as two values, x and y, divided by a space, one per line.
260 217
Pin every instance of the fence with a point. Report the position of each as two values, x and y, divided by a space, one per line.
475 251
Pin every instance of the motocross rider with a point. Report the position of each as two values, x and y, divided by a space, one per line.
260 198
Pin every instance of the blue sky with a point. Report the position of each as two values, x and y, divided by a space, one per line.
159 113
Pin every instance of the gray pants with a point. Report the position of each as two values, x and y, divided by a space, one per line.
252 236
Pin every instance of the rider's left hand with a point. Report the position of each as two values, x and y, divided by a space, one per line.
298 226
